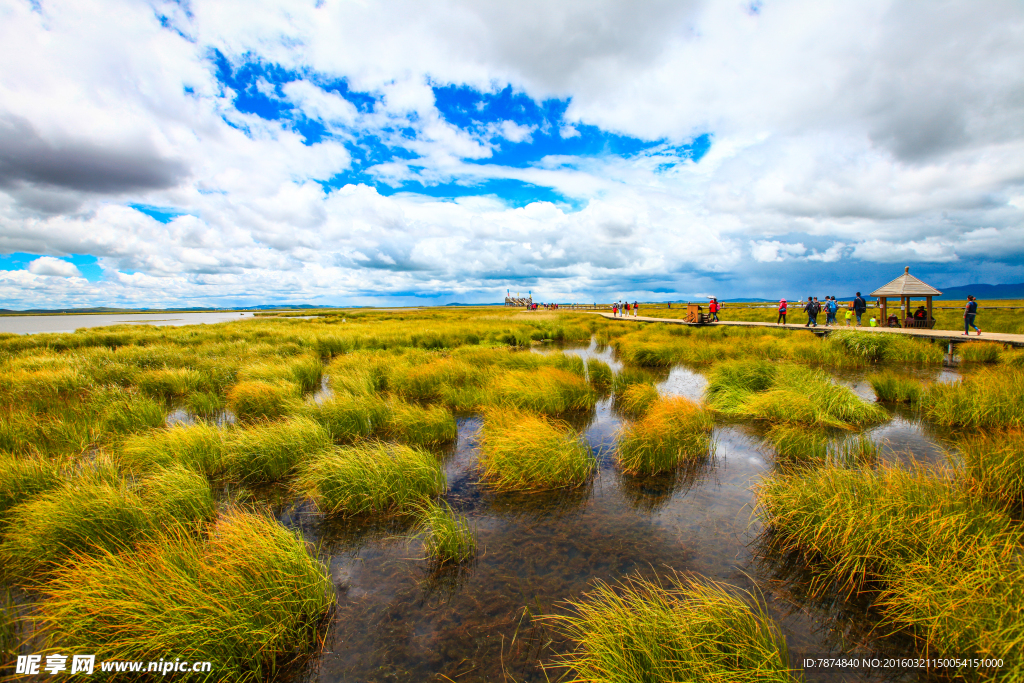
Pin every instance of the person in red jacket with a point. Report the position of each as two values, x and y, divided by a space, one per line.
713 309
782 312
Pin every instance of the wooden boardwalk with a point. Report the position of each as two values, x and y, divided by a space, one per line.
953 336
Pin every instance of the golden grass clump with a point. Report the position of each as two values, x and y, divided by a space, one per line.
674 431
25 477
988 398
348 417
419 425
993 464
690 630
199 446
269 451
521 451
636 399
546 390
370 478
256 399
248 597
945 562
95 515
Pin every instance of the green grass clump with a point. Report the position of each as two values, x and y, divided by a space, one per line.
546 390
435 380
419 425
205 404
989 398
447 536
893 388
370 478
24 478
349 418
131 413
642 631
249 598
875 347
795 444
521 451
257 399
269 451
92 516
993 463
627 377
637 399
306 372
600 374
786 393
980 352
675 431
199 446
168 383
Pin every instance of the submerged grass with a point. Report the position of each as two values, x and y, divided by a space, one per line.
373 477
673 432
641 631
249 598
521 451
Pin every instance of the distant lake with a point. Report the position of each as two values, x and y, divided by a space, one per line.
34 324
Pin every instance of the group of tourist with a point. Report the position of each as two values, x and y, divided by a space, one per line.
624 308
857 308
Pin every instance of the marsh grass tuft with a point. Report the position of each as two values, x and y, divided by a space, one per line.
891 387
253 400
673 432
419 425
521 451
637 399
370 478
269 451
546 390
95 516
25 477
199 446
993 463
689 630
988 397
447 536
600 374
249 598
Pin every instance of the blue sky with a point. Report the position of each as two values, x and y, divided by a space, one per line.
169 154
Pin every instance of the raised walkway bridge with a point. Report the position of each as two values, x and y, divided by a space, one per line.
951 336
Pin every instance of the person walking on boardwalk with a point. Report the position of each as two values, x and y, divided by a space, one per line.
812 313
859 306
833 309
970 312
782 312
636 306
849 315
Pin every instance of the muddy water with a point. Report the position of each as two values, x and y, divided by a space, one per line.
398 622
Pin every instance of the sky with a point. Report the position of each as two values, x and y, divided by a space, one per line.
425 152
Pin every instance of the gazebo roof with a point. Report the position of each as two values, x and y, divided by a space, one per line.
906 285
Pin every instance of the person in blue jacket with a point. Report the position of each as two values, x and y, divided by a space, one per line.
970 312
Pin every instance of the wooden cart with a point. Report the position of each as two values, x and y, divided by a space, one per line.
695 314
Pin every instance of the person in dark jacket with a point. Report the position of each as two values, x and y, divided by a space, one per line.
970 312
812 312
859 306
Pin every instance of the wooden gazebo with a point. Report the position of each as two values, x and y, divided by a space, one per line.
905 287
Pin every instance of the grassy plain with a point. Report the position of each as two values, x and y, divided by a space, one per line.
355 411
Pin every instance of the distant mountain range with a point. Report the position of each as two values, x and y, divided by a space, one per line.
948 293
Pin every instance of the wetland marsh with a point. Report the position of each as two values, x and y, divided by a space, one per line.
496 495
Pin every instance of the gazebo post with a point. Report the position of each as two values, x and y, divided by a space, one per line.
928 299
884 317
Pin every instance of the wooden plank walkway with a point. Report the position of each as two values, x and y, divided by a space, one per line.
954 336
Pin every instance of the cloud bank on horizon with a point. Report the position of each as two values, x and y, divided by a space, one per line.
430 151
